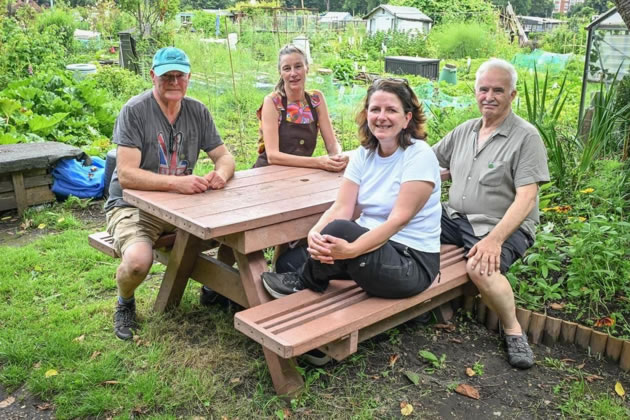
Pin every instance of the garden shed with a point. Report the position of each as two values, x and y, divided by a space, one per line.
540 24
397 18
184 18
334 17
607 48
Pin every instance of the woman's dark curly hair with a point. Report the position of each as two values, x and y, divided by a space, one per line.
401 89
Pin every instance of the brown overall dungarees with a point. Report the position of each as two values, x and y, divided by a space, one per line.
294 139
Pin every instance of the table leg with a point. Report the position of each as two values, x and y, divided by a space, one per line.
181 262
285 377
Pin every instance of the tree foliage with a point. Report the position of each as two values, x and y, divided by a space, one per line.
149 13
454 10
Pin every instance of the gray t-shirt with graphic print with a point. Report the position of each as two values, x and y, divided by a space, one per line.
166 149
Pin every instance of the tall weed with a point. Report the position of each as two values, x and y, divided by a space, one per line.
461 40
606 118
545 117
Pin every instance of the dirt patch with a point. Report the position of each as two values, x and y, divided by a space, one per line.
504 392
22 405
15 232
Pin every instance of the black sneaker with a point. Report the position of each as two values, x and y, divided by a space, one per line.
207 296
520 355
280 285
125 321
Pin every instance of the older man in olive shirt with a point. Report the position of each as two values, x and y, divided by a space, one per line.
496 164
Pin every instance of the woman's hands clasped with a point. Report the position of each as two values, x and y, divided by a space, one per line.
333 163
326 248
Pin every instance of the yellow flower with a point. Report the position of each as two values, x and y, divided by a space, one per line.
587 191
582 219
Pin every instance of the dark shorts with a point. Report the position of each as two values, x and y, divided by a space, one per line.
459 232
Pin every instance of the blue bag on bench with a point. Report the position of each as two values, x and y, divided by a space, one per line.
71 177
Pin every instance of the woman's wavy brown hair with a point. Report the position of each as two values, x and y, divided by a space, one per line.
410 102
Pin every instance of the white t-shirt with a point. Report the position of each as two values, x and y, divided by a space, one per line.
379 179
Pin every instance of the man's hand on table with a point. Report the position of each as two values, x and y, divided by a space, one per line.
190 184
216 181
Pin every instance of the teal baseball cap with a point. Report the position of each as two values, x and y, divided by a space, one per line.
170 59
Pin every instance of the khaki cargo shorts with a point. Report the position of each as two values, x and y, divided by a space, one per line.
129 225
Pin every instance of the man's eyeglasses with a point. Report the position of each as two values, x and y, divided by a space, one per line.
170 78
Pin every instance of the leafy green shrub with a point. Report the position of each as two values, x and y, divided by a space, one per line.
119 82
24 51
396 43
55 106
460 40
62 21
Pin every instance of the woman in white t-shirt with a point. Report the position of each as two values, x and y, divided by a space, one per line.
393 182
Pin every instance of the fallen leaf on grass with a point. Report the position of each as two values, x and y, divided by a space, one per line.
413 377
235 380
470 372
95 355
80 338
111 382
51 372
468 391
26 224
581 366
37 365
393 359
405 408
557 306
7 402
41 226
61 219
6 218
44 406
591 378
619 389
605 322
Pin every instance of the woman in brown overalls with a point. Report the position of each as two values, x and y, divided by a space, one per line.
291 119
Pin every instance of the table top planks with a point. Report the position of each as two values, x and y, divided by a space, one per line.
253 198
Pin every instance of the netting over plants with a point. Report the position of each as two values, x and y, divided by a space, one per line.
542 60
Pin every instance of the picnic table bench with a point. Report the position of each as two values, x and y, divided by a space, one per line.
261 208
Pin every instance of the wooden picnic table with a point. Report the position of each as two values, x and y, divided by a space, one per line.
258 208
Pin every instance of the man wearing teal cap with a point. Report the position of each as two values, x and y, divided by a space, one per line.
159 134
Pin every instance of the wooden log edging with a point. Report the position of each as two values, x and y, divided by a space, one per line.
548 330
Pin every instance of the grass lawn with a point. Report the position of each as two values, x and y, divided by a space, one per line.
56 338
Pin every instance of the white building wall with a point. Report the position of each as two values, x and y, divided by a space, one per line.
409 25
